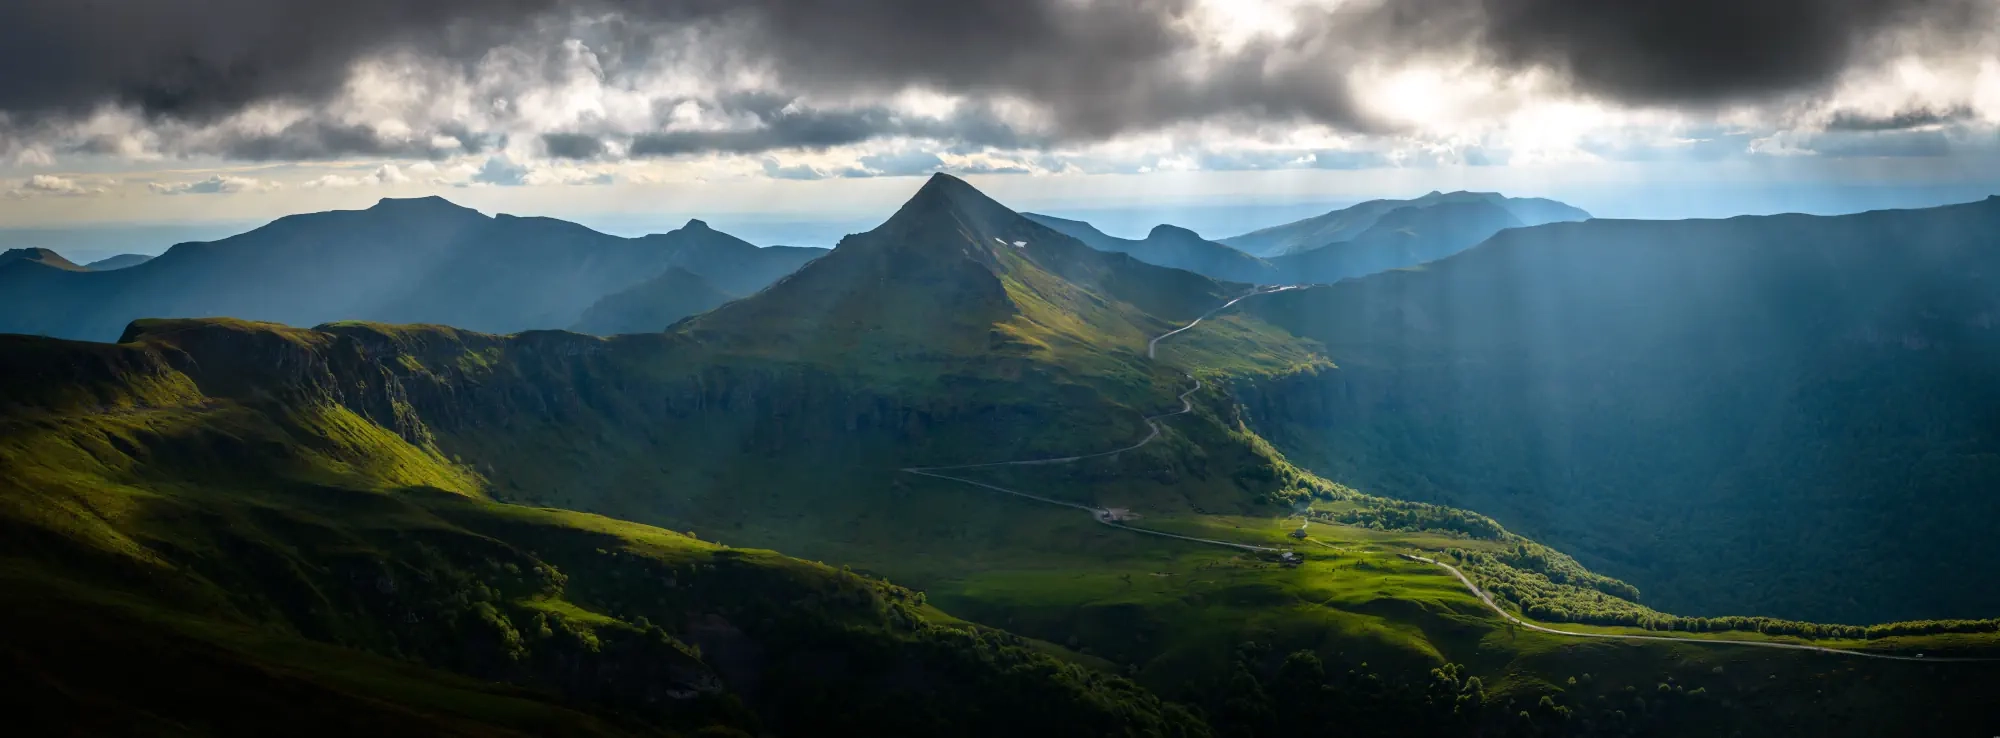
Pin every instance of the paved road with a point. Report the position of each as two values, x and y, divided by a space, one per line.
1104 517
1488 599
1153 346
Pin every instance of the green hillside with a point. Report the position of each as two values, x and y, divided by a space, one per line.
202 494
1783 415
309 562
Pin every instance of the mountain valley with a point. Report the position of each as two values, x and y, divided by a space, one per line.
379 504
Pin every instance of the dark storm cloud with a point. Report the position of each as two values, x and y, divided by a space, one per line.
783 125
194 59
1679 51
320 140
1901 120
573 146
1094 68
198 58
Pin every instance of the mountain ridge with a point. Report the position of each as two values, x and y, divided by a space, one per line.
39 257
1173 246
417 260
1348 223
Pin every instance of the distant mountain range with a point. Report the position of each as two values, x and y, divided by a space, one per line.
1352 222
405 261
120 261
53 260
1370 237
1175 247
429 261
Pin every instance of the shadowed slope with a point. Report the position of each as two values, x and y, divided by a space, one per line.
652 305
1788 415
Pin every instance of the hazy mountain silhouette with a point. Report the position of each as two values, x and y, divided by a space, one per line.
1402 237
38 257
1351 222
652 305
403 261
120 261
1172 246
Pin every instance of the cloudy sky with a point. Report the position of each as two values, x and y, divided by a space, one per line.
187 110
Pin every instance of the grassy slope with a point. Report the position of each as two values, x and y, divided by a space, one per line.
240 533
1171 611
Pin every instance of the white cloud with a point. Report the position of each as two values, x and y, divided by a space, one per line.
504 171
49 185
33 156
387 174
216 185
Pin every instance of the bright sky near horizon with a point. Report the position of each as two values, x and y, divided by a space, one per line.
147 112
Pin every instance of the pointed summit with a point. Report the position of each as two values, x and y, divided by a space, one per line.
696 224
955 273
945 196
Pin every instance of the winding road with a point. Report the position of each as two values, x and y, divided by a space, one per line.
1152 347
1488 599
1105 517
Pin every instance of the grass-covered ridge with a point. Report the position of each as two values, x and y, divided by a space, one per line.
495 412
250 531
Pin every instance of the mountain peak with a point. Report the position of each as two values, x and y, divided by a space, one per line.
418 204
39 255
696 224
949 200
1166 231
942 191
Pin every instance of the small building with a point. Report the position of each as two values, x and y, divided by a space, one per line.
1289 559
